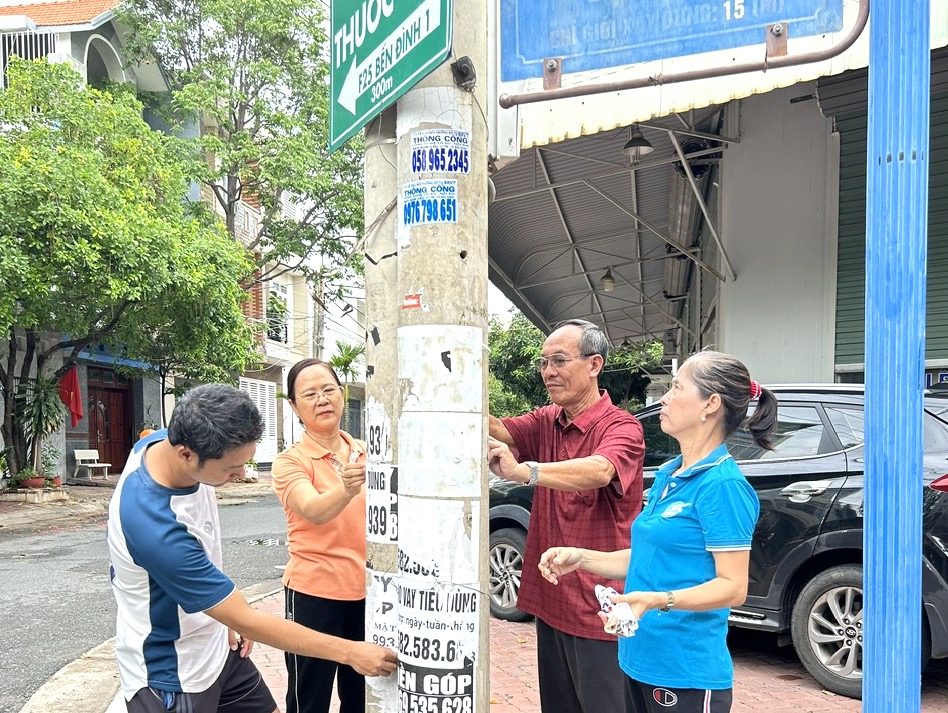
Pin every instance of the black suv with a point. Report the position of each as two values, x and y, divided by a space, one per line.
806 560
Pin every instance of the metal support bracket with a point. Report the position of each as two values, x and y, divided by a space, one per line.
552 73
777 39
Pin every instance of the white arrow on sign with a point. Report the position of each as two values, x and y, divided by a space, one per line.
361 76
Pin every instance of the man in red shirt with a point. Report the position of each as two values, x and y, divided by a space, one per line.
585 457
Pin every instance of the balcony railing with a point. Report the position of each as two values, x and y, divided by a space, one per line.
28 45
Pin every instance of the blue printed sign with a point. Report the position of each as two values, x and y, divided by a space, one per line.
441 151
429 201
598 34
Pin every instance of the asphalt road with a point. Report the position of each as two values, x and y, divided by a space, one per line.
55 600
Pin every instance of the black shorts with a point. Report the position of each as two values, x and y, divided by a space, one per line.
647 698
239 689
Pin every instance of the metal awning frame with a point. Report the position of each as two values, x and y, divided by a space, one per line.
543 263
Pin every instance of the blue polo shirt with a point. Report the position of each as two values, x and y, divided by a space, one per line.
710 507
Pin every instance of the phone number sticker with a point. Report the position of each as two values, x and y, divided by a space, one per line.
381 503
430 201
441 151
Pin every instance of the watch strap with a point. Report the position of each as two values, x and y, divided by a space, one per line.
534 472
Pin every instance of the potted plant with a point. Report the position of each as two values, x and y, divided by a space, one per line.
49 461
250 471
39 412
28 478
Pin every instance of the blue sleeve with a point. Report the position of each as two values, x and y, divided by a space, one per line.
174 559
728 514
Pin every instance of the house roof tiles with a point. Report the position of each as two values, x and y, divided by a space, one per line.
59 13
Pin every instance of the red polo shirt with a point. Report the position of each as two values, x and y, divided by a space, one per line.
596 519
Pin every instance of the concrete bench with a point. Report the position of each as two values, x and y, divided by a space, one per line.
89 459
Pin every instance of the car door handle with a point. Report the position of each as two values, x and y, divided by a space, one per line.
802 492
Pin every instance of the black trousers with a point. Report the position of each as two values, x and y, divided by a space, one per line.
580 675
661 699
309 681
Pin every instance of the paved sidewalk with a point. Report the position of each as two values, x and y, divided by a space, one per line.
513 686
767 677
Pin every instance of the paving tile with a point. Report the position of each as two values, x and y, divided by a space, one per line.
766 677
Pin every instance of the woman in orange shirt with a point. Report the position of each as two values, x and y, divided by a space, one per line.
320 481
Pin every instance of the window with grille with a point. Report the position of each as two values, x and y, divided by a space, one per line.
278 313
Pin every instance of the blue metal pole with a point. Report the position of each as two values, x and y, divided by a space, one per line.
896 240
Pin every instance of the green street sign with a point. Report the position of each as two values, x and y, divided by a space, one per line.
379 50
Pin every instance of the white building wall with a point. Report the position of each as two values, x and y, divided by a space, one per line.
779 189
344 321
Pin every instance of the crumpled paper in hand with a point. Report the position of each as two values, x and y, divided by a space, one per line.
620 620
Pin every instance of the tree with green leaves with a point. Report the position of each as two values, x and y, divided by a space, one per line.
516 386
97 244
503 402
197 331
513 349
626 373
253 74
345 362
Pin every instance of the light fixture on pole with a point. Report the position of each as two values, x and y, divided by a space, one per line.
607 281
637 146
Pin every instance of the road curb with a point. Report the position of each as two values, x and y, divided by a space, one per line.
89 683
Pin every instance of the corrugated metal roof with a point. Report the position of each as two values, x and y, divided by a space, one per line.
566 212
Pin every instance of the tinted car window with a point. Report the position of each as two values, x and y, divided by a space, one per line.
849 424
800 434
659 446
936 434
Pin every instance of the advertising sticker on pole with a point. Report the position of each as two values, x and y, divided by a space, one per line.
438 604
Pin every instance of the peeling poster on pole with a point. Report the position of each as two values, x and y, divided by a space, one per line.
381 477
381 606
438 605
381 503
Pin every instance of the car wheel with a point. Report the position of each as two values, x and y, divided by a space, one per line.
826 627
506 566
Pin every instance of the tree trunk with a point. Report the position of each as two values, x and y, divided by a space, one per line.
19 456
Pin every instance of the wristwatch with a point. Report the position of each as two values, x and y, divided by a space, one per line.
534 471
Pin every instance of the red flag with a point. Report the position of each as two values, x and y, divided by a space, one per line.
69 393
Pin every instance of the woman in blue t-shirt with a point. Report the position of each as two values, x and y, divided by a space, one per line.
691 543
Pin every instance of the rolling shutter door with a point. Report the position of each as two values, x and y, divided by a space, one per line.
838 94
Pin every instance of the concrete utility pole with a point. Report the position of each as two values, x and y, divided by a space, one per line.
383 405
438 428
